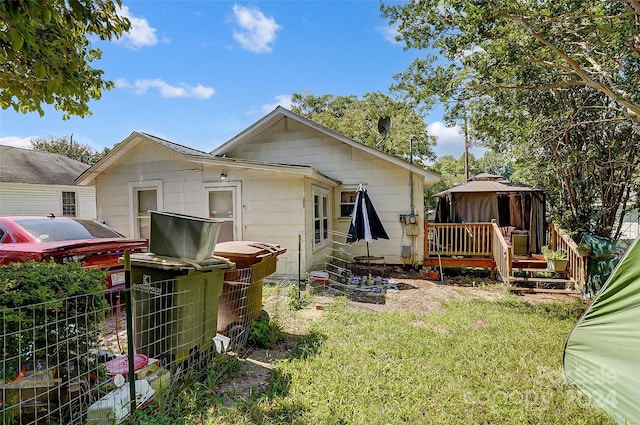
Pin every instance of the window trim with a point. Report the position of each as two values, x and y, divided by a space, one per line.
236 191
339 192
75 203
323 194
134 187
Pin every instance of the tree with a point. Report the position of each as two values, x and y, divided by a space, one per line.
584 153
523 45
67 147
358 119
45 53
551 83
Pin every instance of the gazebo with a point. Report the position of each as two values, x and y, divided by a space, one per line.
518 209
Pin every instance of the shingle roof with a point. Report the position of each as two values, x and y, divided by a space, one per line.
19 165
176 147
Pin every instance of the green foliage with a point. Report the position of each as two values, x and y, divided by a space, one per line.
189 399
265 333
527 75
45 304
499 45
66 146
358 119
298 299
549 254
46 52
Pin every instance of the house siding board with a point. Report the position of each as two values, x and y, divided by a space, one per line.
21 198
273 214
387 184
181 184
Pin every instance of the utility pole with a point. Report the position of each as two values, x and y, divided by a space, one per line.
466 148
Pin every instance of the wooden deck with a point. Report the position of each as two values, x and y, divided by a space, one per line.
483 245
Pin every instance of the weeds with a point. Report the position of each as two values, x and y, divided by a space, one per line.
265 333
297 299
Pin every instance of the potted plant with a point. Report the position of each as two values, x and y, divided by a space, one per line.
556 260
584 249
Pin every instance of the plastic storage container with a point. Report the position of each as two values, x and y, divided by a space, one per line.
175 304
241 298
183 236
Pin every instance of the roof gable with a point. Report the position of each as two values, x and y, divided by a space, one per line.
279 113
123 148
19 165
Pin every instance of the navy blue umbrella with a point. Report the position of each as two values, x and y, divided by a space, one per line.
365 223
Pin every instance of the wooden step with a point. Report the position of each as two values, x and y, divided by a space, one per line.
545 290
537 270
539 279
519 262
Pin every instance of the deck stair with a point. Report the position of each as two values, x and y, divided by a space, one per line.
539 279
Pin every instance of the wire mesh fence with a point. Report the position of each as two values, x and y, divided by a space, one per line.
50 369
63 361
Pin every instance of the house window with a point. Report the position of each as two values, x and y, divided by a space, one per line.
320 217
143 197
147 199
69 204
221 207
347 203
224 204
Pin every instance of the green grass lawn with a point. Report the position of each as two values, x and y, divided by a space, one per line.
471 362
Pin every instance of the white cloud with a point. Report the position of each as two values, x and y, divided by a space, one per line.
256 32
389 33
166 90
283 100
121 83
450 140
18 142
140 34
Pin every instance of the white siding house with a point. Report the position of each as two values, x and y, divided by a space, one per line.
281 179
40 183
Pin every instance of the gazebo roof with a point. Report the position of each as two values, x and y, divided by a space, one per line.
489 183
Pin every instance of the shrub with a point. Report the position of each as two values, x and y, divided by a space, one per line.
264 333
49 313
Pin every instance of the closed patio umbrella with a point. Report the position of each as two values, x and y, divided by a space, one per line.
365 223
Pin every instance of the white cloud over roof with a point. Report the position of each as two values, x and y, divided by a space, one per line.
17 142
283 100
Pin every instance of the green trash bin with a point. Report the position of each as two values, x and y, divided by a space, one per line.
175 304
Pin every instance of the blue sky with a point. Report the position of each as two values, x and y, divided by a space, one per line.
199 72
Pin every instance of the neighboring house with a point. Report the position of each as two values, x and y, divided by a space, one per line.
40 183
282 178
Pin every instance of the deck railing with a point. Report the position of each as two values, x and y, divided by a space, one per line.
502 251
458 239
577 266
487 240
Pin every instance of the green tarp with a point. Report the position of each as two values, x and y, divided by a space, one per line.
602 353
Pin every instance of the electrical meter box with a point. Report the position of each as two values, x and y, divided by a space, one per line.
408 219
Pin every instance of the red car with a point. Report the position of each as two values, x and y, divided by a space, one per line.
66 239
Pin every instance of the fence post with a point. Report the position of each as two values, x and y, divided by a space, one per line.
130 349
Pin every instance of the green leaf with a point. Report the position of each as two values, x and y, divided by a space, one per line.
16 39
